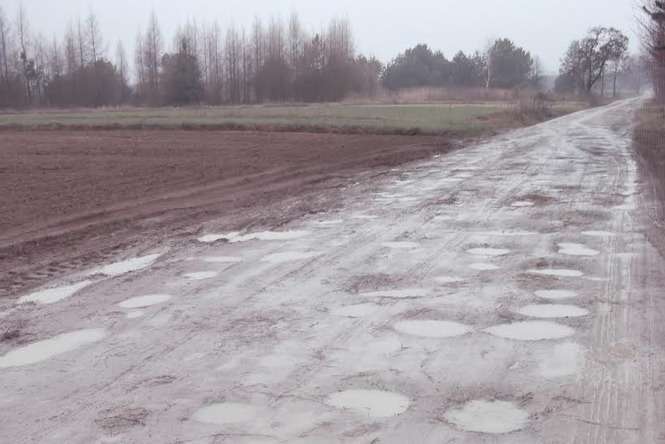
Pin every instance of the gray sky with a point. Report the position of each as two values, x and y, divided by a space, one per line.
382 27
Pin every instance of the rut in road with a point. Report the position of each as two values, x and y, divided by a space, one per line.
502 293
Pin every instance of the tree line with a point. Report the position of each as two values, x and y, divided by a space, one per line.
272 61
653 36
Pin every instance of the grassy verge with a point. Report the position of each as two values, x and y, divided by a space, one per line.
649 137
452 119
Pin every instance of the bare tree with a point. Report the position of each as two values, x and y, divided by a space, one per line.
26 64
152 48
4 47
94 37
654 41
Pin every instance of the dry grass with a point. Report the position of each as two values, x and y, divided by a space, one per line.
649 139
468 119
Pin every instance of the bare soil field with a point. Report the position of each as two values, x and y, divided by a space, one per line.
76 197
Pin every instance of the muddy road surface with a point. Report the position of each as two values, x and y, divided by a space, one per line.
504 293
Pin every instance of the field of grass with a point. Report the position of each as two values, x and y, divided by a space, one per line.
457 119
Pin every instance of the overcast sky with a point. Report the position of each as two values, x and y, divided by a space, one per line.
381 27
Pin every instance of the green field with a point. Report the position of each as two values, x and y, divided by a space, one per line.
427 119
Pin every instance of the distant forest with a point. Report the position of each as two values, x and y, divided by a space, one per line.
273 61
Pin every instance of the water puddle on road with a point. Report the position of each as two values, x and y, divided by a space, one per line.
432 329
556 294
371 403
363 217
572 249
522 204
355 311
557 272
222 259
406 293
57 345
145 301
494 417
488 252
484 267
290 256
553 311
225 413
200 275
53 295
135 314
235 237
401 245
127 266
564 360
597 233
531 331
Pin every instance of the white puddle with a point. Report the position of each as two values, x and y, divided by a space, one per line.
401 245
397 294
484 267
330 222
225 413
598 233
432 329
200 275
289 256
522 204
371 403
448 280
236 236
553 311
57 345
516 233
135 314
363 217
118 268
356 311
572 249
222 259
489 252
145 301
493 417
558 272
52 295
563 360
556 294
531 331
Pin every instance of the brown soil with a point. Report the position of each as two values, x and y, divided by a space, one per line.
74 198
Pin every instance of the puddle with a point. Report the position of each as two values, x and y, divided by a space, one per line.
118 268
490 252
145 301
556 294
484 267
236 236
57 345
564 360
200 275
531 331
397 294
553 311
289 256
52 295
135 314
522 204
494 417
516 233
222 259
558 272
371 403
572 249
355 311
363 217
330 222
598 233
432 329
401 245
448 280
225 413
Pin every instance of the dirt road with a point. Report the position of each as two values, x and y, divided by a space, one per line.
504 293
